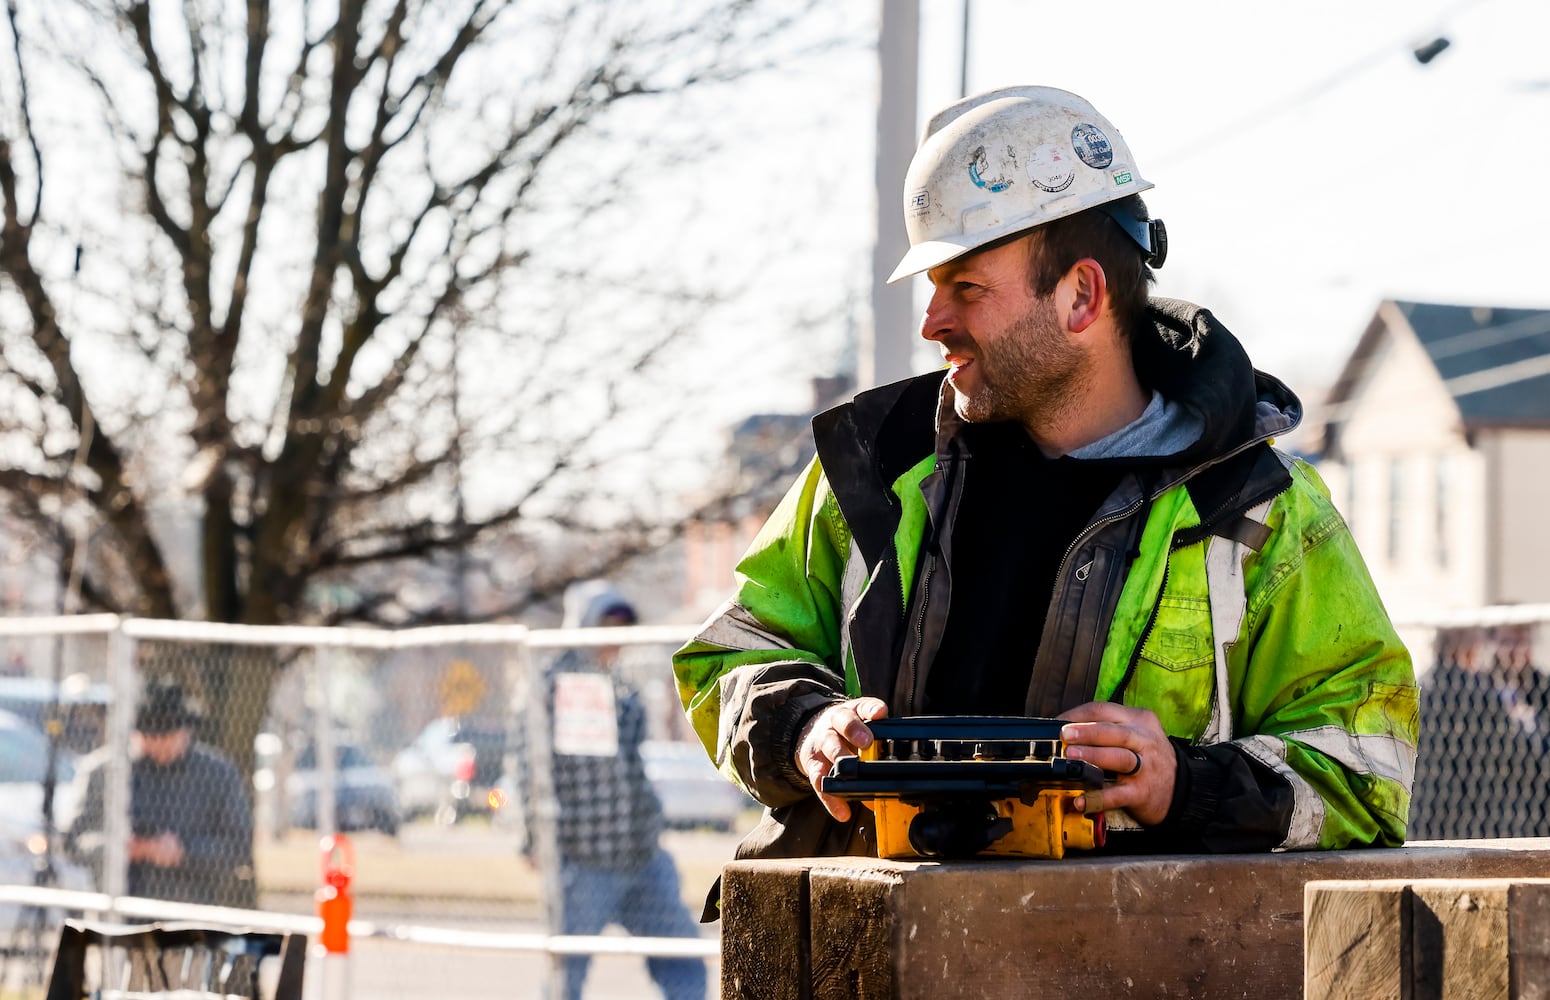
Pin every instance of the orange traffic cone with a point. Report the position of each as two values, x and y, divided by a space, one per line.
333 899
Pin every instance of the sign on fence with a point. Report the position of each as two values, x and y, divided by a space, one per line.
585 719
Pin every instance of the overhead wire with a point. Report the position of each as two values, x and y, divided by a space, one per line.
1233 131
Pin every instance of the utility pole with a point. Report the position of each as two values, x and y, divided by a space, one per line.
963 62
886 347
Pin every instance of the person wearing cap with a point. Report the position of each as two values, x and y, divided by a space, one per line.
191 825
1082 517
608 820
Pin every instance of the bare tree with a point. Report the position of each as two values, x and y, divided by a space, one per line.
350 300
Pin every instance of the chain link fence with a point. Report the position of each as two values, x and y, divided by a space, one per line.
515 799
55 701
1482 766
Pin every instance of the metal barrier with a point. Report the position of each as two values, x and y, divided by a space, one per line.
443 753
409 740
175 962
1483 763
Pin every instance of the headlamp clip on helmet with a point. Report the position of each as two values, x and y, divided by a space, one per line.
1150 234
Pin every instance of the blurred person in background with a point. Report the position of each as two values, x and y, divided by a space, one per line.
1483 760
191 825
612 868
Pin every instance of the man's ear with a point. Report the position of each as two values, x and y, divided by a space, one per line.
1082 295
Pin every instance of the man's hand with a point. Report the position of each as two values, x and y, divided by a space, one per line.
837 731
164 850
1129 742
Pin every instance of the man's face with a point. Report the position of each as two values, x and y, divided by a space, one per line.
609 655
164 748
1008 357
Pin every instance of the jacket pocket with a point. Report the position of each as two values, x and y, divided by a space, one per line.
1181 636
1175 674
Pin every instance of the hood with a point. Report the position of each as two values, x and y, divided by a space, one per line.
585 603
865 444
1194 360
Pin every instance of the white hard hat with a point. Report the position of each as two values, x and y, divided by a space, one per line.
1005 161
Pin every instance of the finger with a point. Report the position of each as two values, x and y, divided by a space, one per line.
1097 734
1119 761
815 766
838 808
1099 711
832 746
847 722
1120 796
871 709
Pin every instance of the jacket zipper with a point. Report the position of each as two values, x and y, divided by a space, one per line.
1118 697
920 630
933 554
1092 528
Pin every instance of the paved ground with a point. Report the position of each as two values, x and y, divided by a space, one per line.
379 971
462 872
462 878
468 878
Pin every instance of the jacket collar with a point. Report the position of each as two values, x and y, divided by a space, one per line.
1188 355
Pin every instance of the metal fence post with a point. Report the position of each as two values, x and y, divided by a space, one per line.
545 807
323 738
116 824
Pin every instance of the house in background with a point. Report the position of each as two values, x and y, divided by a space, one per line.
763 455
1436 447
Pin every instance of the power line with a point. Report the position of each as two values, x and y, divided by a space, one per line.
1234 130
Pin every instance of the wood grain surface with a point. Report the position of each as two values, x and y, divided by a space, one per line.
1154 927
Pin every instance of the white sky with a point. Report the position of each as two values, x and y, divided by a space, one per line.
1306 164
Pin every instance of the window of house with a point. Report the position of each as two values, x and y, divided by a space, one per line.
1351 494
1440 512
1396 507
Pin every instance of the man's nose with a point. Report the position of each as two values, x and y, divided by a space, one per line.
940 318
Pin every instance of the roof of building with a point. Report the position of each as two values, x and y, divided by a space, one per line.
768 449
1495 362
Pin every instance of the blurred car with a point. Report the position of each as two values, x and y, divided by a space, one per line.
364 796
25 849
450 769
24 750
693 793
82 706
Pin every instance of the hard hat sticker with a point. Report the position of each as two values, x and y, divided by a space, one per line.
980 171
920 202
1092 146
1123 177
1049 169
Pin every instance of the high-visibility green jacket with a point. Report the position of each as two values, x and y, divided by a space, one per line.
1253 632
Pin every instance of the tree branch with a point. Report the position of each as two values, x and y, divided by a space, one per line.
25 102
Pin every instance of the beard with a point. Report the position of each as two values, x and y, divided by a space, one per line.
1030 374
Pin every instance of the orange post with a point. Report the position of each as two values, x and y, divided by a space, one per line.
334 896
